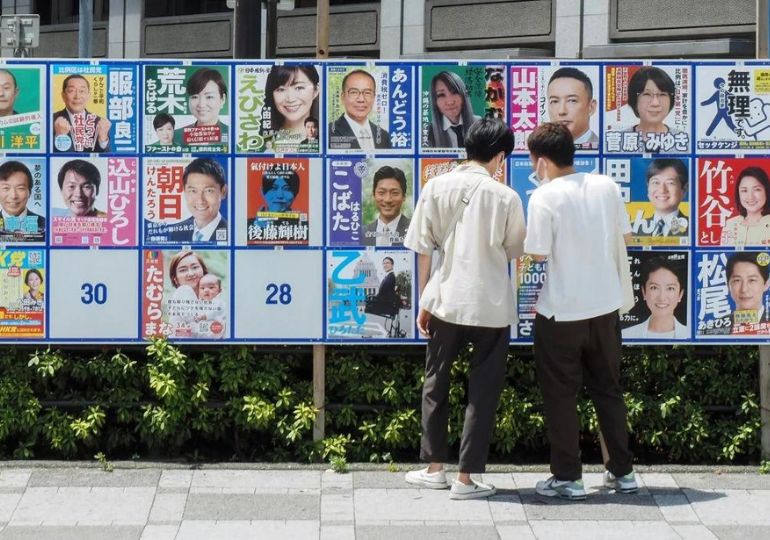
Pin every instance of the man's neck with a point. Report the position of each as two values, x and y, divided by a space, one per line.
388 221
555 172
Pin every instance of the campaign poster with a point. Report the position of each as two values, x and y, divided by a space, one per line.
733 202
22 293
524 181
733 302
452 98
93 201
278 108
186 108
371 113
661 297
277 201
22 108
566 94
647 109
94 108
370 201
369 294
656 193
733 109
185 294
530 276
185 200
23 199
432 167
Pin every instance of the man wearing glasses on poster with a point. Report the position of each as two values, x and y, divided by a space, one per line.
354 130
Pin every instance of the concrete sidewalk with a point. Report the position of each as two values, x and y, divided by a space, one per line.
64 501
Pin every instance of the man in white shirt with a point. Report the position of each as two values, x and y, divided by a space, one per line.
469 298
571 103
75 129
575 222
389 190
354 130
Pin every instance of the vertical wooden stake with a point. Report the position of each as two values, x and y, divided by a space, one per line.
319 390
322 29
764 398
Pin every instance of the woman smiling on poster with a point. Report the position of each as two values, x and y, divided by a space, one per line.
185 272
206 95
651 95
291 96
662 291
751 227
33 300
451 111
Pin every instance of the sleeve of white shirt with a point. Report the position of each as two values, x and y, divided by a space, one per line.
515 231
623 221
419 235
539 228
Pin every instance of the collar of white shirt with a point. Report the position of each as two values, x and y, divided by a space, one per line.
386 230
209 229
6 216
446 124
360 129
585 137
666 219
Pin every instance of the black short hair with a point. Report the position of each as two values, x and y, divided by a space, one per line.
198 81
658 165
10 167
270 176
311 119
638 81
656 263
162 119
389 172
69 78
32 271
10 74
761 176
552 141
358 72
209 167
488 137
84 168
573 73
388 259
747 257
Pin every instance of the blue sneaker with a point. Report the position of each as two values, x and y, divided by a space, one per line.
564 489
621 484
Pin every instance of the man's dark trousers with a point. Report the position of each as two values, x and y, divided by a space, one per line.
485 382
565 353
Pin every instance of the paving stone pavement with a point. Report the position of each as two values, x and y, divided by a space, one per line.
66 501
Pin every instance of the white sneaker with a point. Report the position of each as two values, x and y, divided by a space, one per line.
423 478
476 490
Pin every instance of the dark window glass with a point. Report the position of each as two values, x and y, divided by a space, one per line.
67 11
171 8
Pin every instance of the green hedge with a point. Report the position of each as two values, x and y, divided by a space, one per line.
686 404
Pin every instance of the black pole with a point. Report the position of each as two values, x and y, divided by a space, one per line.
272 28
248 29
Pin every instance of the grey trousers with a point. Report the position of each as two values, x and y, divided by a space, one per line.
485 382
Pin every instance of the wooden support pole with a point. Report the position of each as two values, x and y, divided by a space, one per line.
322 29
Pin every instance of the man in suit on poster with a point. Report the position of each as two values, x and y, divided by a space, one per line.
354 130
74 128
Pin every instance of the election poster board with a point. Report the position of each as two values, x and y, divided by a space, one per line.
453 97
22 108
94 108
233 201
186 108
647 109
278 108
369 108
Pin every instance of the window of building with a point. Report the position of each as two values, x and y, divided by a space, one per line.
67 11
172 8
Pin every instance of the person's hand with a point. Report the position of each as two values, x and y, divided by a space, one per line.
423 323
103 130
61 126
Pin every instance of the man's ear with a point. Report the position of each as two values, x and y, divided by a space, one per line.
592 107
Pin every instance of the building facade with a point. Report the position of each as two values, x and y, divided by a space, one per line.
392 29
